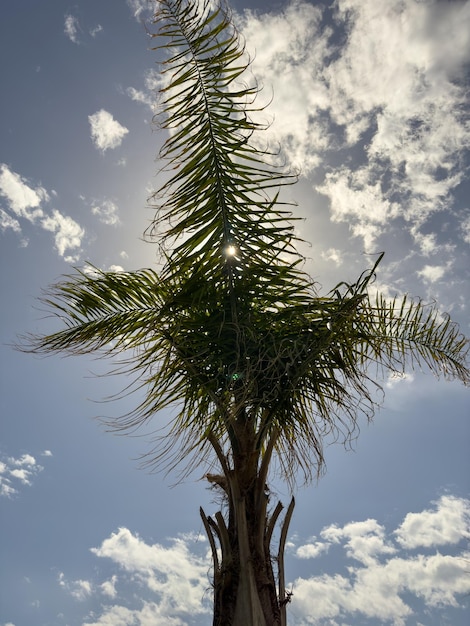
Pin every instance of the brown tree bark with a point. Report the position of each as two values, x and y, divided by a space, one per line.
247 591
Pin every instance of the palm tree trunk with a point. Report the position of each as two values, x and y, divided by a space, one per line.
245 590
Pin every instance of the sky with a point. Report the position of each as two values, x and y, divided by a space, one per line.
368 100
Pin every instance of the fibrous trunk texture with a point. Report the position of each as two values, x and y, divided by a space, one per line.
246 590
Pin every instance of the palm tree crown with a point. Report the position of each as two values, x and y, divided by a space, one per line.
232 329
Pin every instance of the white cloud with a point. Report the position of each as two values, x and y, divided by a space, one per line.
106 132
176 575
97 29
377 588
107 212
376 591
78 589
432 273
286 49
396 118
67 233
23 199
17 471
6 221
149 615
465 228
153 82
364 541
332 254
139 7
312 550
396 378
108 588
358 194
71 28
381 579
139 96
447 524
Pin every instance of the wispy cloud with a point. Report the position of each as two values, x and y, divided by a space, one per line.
17 472
106 211
141 8
78 589
95 30
6 222
72 28
106 132
153 81
26 201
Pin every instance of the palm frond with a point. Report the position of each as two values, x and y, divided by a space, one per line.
232 331
219 193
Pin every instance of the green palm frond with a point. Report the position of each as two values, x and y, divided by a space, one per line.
219 193
400 332
237 340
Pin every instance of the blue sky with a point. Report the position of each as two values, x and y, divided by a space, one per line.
369 101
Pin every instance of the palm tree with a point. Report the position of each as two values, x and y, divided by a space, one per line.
232 330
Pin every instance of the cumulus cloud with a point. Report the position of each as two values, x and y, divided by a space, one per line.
16 472
108 588
176 575
465 229
67 233
388 576
149 615
106 132
448 523
388 573
25 201
72 28
312 549
364 541
395 121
